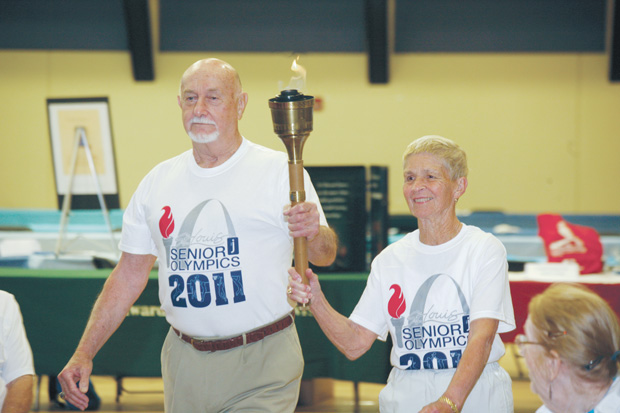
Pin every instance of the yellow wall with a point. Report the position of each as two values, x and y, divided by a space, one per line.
540 130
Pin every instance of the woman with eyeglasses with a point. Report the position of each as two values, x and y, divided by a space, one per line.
572 349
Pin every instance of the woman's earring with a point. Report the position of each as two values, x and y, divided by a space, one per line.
551 391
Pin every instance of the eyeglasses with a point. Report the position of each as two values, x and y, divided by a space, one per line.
593 363
521 340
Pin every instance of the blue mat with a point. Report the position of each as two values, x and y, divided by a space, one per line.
48 220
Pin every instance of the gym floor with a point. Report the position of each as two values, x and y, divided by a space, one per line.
145 394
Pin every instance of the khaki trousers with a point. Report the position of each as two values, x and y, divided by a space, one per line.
260 377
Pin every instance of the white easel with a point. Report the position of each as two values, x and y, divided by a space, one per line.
81 140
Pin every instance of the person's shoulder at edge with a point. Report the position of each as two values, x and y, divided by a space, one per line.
5 293
7 299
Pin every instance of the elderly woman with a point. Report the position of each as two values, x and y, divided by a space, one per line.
571 347
442 292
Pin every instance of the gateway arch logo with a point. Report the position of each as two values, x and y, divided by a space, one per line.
190 246
436 335
206 251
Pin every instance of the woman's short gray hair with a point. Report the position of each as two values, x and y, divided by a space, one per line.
580 326
454 158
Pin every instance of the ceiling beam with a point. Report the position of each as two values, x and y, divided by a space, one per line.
379 16
614 41
138 23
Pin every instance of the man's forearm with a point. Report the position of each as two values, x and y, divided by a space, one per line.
108 313
120 291
322 248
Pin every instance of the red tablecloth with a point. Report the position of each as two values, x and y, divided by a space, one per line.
523 291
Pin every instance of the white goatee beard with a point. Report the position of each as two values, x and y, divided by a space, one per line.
204 137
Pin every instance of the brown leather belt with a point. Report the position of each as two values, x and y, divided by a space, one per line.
245 338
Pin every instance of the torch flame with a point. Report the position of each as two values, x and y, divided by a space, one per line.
397 304
166 222
298 80
297 68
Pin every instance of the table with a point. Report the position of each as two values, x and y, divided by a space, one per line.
56 305
523 288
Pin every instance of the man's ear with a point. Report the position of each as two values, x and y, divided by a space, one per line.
241 104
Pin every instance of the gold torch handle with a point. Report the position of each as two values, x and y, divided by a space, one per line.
298 195
291 112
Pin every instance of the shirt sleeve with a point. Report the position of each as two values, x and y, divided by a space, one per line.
136 236
491 294
367 312
312 196
16 356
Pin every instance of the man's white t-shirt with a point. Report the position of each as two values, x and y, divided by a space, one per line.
220 235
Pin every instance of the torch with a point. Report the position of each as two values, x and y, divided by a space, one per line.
291 112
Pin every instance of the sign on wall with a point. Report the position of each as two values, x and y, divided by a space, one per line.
73 166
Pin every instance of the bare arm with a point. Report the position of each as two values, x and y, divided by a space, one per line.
304 221
475 356
322 248
121 290
350 338
18 395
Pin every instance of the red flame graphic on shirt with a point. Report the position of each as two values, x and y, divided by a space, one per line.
166 223
396 305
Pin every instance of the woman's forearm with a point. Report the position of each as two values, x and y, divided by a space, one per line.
474 360
350 338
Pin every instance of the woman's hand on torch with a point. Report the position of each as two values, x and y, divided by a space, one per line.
303 220
301 292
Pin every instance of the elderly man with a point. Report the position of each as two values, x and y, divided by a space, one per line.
16 365
217 218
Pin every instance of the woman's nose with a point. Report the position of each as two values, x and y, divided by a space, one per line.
418 185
